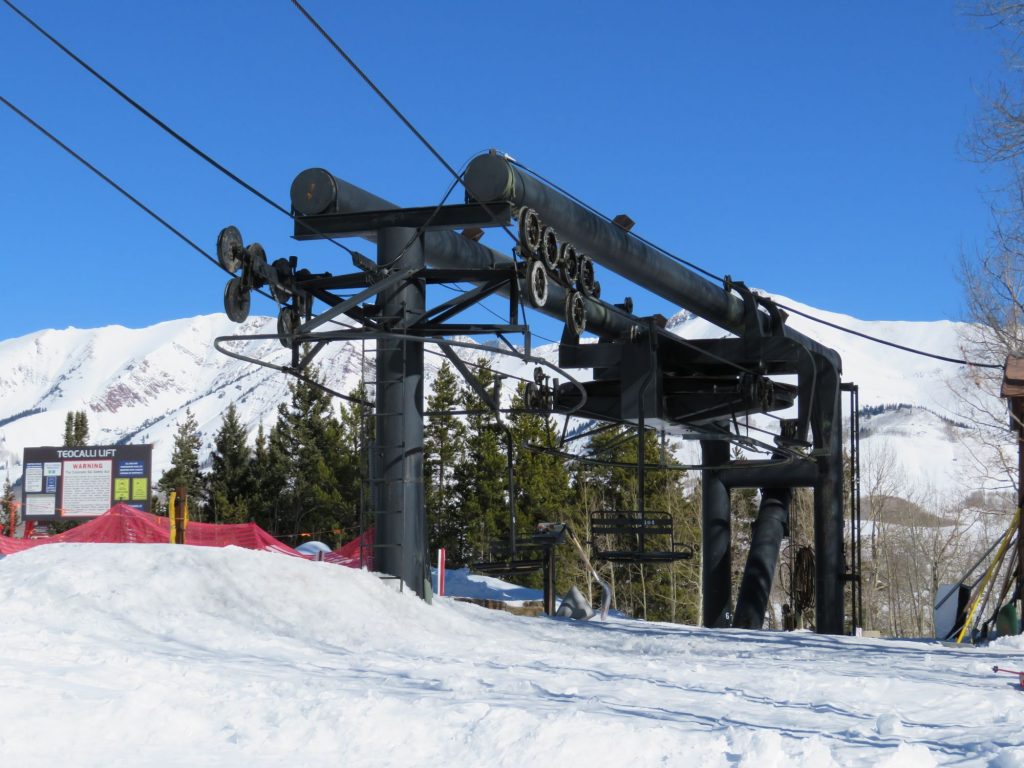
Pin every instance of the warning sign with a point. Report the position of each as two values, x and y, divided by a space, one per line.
140 489
85 481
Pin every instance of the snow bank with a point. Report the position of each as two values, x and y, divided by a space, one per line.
459 582
167 656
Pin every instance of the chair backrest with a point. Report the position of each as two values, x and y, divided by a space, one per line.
631 524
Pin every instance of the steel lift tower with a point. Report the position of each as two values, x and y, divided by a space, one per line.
642 374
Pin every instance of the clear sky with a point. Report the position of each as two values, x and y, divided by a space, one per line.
811 149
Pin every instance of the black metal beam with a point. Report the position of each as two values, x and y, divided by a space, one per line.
492 178
794 473
425 219
317 191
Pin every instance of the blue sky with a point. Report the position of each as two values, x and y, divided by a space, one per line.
811 149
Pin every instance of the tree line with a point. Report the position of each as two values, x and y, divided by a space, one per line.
307 478
299 480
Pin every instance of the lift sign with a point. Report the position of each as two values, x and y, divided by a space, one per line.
86 481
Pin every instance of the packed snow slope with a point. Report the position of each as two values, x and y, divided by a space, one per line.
155 655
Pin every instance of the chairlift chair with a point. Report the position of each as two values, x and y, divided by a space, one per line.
636 537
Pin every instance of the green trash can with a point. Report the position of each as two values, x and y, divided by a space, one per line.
1007 621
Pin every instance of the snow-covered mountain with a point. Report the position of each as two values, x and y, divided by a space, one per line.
135 384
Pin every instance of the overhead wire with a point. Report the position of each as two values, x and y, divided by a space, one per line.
366 78
390 104
719 278
458 177
166 224
162 221
205 156
166 128
886 342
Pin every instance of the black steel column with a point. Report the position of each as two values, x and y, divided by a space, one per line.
765 542
401 536
826 422
716 554
549 580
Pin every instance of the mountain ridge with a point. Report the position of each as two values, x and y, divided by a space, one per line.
135 384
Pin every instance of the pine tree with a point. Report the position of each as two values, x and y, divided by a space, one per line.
318 465
81 428
481 479
269 472
69 430
657 592
76 430
444 438
184 469
76 434
542 482
229 482
8 517
357 434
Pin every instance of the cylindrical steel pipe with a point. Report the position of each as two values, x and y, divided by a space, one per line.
765 542
316 190
491 177
795 474
401 524
826 421
716 538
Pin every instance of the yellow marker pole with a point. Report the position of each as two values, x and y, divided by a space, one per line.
180 514
989 574
171 499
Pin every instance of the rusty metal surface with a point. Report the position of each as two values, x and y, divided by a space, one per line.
1013 378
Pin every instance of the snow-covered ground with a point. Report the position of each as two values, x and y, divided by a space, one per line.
154 655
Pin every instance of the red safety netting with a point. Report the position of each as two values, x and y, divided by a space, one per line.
122 524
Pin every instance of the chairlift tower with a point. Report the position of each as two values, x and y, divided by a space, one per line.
642 374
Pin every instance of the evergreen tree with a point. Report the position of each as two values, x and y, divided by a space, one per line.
480 480
229 483
658 592
76 430
184 469
81 428
8 517
269 473
542 482
444 437
76 434
317 462
69 430
357 434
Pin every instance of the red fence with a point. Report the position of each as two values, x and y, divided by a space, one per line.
122 524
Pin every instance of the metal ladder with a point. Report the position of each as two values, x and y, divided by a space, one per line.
374 487
853 556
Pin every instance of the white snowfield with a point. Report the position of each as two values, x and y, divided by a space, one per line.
153 655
